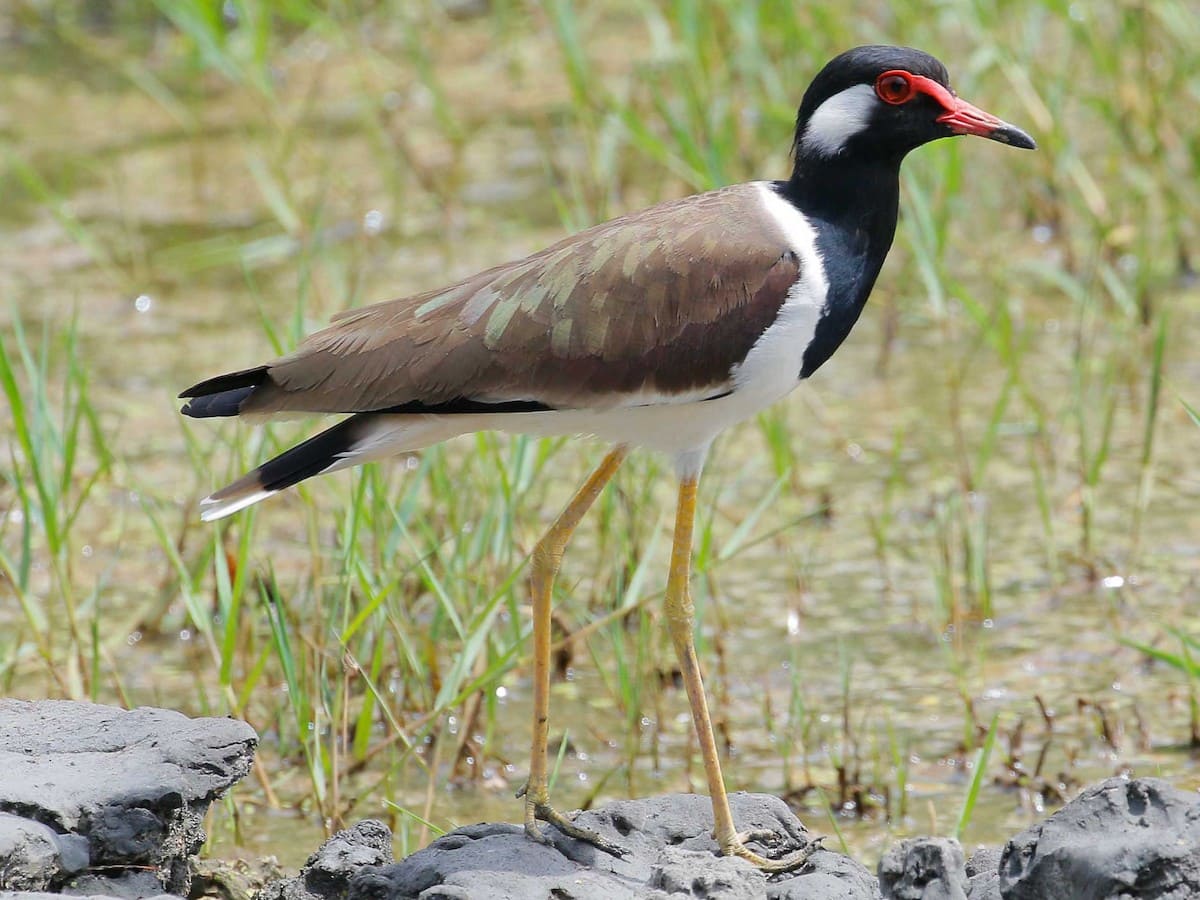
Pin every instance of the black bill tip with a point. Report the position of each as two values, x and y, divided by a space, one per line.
1013 136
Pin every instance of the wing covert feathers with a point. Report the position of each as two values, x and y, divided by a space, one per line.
665 301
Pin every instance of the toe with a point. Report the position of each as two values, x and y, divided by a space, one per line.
789 863
547 813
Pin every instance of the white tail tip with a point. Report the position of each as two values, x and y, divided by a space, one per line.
216 507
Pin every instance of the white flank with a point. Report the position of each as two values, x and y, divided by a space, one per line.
393 435
838 119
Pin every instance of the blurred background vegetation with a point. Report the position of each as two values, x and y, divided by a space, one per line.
975 530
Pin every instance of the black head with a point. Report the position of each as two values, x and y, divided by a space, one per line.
878 103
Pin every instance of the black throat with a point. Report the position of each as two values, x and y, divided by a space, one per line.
853 205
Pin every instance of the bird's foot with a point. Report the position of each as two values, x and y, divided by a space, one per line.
735 845
538 808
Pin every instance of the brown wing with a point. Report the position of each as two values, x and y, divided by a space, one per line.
667 300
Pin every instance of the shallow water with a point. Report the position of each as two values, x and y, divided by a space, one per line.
853 639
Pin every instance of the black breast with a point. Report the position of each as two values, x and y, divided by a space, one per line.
851 266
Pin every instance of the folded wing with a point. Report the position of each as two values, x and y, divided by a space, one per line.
661 304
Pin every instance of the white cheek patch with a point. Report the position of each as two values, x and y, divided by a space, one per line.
838 119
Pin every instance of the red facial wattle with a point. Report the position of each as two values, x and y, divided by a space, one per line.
959 116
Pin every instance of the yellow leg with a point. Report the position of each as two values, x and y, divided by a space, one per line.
681 616
547 557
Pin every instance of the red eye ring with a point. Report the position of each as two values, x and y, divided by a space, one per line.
895 87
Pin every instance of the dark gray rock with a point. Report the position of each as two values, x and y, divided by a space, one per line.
686 873
1118 839
33 857
127 885
487 860
134 783
669 854
983 874
924 868
327 872
47 895
828 875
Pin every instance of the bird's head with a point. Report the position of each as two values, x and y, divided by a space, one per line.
881 102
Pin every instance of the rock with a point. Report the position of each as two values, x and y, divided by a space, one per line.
1120 839
327 872
828 875
924 868
669 854
134 784
686 873
983 874
33 856
96 801
129 885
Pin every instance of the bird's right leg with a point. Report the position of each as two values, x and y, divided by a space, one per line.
681 620
547 556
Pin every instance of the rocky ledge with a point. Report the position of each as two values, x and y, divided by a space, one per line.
107 802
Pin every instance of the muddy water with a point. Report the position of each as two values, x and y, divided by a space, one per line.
165 232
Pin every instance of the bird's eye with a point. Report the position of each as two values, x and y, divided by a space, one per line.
895 87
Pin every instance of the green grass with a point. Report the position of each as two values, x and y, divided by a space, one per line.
981 509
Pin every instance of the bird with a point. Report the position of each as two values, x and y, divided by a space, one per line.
656 330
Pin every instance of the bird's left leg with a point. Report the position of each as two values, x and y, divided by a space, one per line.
680 616
547 556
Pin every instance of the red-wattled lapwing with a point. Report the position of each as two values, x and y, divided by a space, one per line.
658 329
